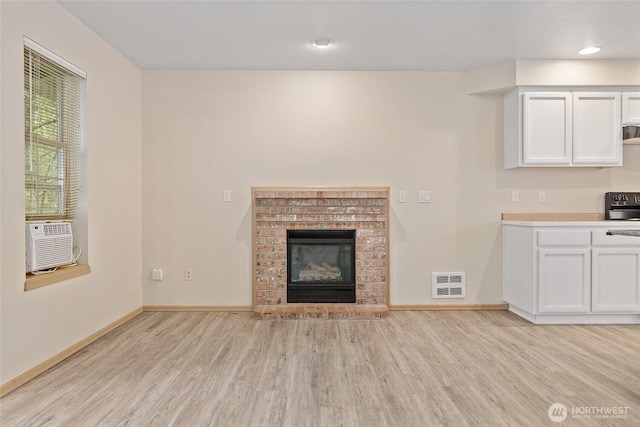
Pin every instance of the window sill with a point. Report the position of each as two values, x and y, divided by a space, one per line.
35 281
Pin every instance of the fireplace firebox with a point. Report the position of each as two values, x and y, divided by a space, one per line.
321 266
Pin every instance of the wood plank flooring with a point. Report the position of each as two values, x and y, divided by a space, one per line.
412 369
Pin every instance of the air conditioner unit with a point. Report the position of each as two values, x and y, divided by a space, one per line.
49 245
448 285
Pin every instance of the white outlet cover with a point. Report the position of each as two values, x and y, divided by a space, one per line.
542 197
424 196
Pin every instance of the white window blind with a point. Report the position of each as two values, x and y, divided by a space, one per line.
53 101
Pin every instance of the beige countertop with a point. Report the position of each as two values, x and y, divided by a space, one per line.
565 220
609 225
562 217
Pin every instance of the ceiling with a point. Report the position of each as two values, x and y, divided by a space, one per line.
369 35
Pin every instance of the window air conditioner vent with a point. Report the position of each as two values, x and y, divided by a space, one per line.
49 245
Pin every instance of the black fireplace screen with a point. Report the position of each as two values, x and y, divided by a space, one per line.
321 265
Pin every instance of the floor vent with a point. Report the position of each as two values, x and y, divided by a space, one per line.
448 285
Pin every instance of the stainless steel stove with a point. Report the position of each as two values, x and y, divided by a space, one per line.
622 206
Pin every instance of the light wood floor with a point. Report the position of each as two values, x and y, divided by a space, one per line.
412 369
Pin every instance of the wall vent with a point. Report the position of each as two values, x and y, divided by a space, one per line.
448 285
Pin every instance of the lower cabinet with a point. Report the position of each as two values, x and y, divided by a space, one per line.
564 280
615 283
571 274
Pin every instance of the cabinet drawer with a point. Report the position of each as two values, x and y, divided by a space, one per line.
564 238
600 238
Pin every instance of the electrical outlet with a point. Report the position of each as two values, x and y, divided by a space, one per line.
515 196
542 197
188 274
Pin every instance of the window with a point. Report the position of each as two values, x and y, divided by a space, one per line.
53 100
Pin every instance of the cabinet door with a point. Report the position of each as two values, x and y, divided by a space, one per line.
631 108
564 280
616 280
597 130
546 128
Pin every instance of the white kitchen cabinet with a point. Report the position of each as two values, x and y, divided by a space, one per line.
597 129
631 108
547 128
562 129
564 280
615 273
571 272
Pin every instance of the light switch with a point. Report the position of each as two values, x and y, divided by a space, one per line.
424 197
402 196
226 196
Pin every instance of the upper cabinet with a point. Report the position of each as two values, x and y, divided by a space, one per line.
547 129
597 130
631 108
562 129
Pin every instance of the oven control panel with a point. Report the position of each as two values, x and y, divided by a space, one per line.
622 199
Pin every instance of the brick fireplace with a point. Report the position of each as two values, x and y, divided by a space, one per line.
278 209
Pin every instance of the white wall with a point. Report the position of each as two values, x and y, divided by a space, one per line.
38 324
206 131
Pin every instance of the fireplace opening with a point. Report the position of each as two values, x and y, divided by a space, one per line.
321 266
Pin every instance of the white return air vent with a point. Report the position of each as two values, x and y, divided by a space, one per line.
448 285
49 245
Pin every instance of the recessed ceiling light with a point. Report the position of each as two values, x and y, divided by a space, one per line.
589 50
322 42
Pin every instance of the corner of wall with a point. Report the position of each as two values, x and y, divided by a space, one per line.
494 79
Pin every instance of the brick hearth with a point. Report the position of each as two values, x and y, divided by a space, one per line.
278 209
